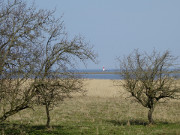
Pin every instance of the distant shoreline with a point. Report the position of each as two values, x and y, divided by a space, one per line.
97 72
113 72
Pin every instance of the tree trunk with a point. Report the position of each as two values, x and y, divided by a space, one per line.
48 116
151 121
12 112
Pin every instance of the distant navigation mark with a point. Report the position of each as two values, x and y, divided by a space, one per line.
103 69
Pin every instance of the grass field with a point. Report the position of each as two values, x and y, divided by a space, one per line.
105 110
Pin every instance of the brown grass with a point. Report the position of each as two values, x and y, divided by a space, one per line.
102 102
102 88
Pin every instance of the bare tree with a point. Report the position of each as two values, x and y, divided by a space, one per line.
149 78
59 53
57 82
20 29
35 54
52 91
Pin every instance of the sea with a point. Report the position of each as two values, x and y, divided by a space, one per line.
99 74
109 74
112 74
87 74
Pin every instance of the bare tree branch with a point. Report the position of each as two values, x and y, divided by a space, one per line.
35 54
149 78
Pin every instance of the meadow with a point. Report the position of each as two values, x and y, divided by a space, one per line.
104 110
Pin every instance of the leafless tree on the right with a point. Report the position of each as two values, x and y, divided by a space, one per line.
149 78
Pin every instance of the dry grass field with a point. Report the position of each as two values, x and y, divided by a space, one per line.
104 110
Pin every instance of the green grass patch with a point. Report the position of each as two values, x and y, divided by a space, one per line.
88 128
96 116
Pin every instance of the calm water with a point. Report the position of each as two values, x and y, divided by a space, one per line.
99 74
107 74
96 74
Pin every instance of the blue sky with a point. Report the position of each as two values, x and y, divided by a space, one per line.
117 27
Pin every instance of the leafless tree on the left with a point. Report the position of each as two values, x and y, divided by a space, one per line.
35 54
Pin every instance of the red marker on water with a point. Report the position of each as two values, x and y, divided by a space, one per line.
103 69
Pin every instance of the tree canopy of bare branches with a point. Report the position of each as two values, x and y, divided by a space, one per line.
35 54
149 78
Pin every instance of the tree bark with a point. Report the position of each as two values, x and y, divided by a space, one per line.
14 111
150 118
48 116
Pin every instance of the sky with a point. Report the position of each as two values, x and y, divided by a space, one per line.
116 27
